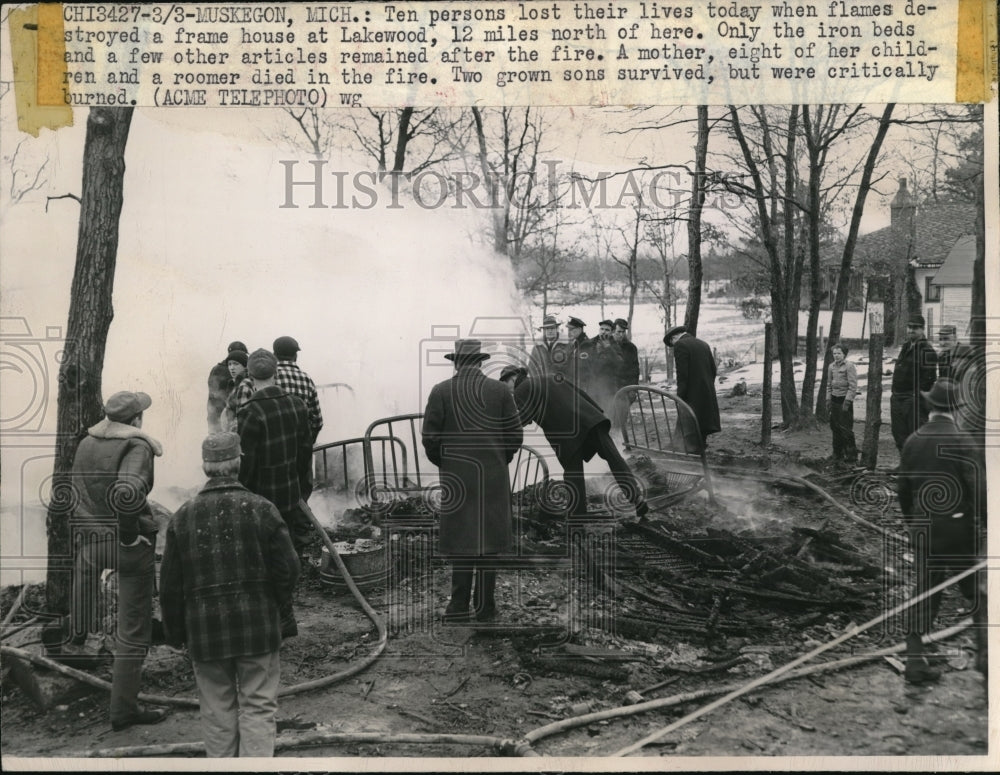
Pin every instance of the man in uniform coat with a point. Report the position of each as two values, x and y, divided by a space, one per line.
228 567
471 433
629 374
578 353
575 428
942 493
915 371
549 355
695 369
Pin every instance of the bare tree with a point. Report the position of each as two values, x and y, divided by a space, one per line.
90 313
847 257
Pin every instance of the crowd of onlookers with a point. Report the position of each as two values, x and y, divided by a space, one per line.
233 553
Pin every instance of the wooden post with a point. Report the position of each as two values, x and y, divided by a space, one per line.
873 401
765 411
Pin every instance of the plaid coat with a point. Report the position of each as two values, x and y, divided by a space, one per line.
277 447
290 378
227 566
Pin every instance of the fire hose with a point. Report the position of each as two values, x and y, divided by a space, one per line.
188 702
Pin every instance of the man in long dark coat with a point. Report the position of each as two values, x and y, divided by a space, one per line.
629 374
942 493
695 369
579 349
471 433
575 428
914 372
605 367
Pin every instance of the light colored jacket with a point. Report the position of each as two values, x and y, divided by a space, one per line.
843 381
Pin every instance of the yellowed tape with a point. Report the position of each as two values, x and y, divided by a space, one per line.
38 54
975 53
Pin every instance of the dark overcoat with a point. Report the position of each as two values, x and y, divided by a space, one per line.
471 433
629 374
565 414
696 370
942 474
227 566
548 358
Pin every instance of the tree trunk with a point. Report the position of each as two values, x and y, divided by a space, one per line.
847 258
765 410
873 401
80 403
694 223
491 184
813 226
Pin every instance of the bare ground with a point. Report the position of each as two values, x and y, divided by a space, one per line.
508 678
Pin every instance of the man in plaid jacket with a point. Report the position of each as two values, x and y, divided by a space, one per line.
228 567
296 382
277 446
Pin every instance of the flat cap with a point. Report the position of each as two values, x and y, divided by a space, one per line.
262 364
125 405
220 446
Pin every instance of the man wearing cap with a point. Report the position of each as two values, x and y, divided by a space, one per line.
277 446
606 363
548 356
575 428
695 370
915 371
228 568
629 374
220 384
296 382
112 475
951 354
471 433
578 352
942 493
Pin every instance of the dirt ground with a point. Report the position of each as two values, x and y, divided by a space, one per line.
556 652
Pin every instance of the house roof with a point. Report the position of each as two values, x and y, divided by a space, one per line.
957 267
937 227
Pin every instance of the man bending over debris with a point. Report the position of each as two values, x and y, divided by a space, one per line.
576 428
228 566
942 492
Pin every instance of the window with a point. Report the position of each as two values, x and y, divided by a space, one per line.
931 292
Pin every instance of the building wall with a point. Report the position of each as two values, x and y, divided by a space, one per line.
956 308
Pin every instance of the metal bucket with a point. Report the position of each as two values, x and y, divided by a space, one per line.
367 566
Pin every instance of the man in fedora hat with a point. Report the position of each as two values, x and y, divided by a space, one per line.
629 374
942 493
220 383
471 433
915 371
112 475
695 370
294 381
228 568
548 356
575 428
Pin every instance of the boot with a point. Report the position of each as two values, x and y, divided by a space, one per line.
919 670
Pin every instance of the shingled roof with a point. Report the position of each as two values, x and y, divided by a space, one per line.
937 226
